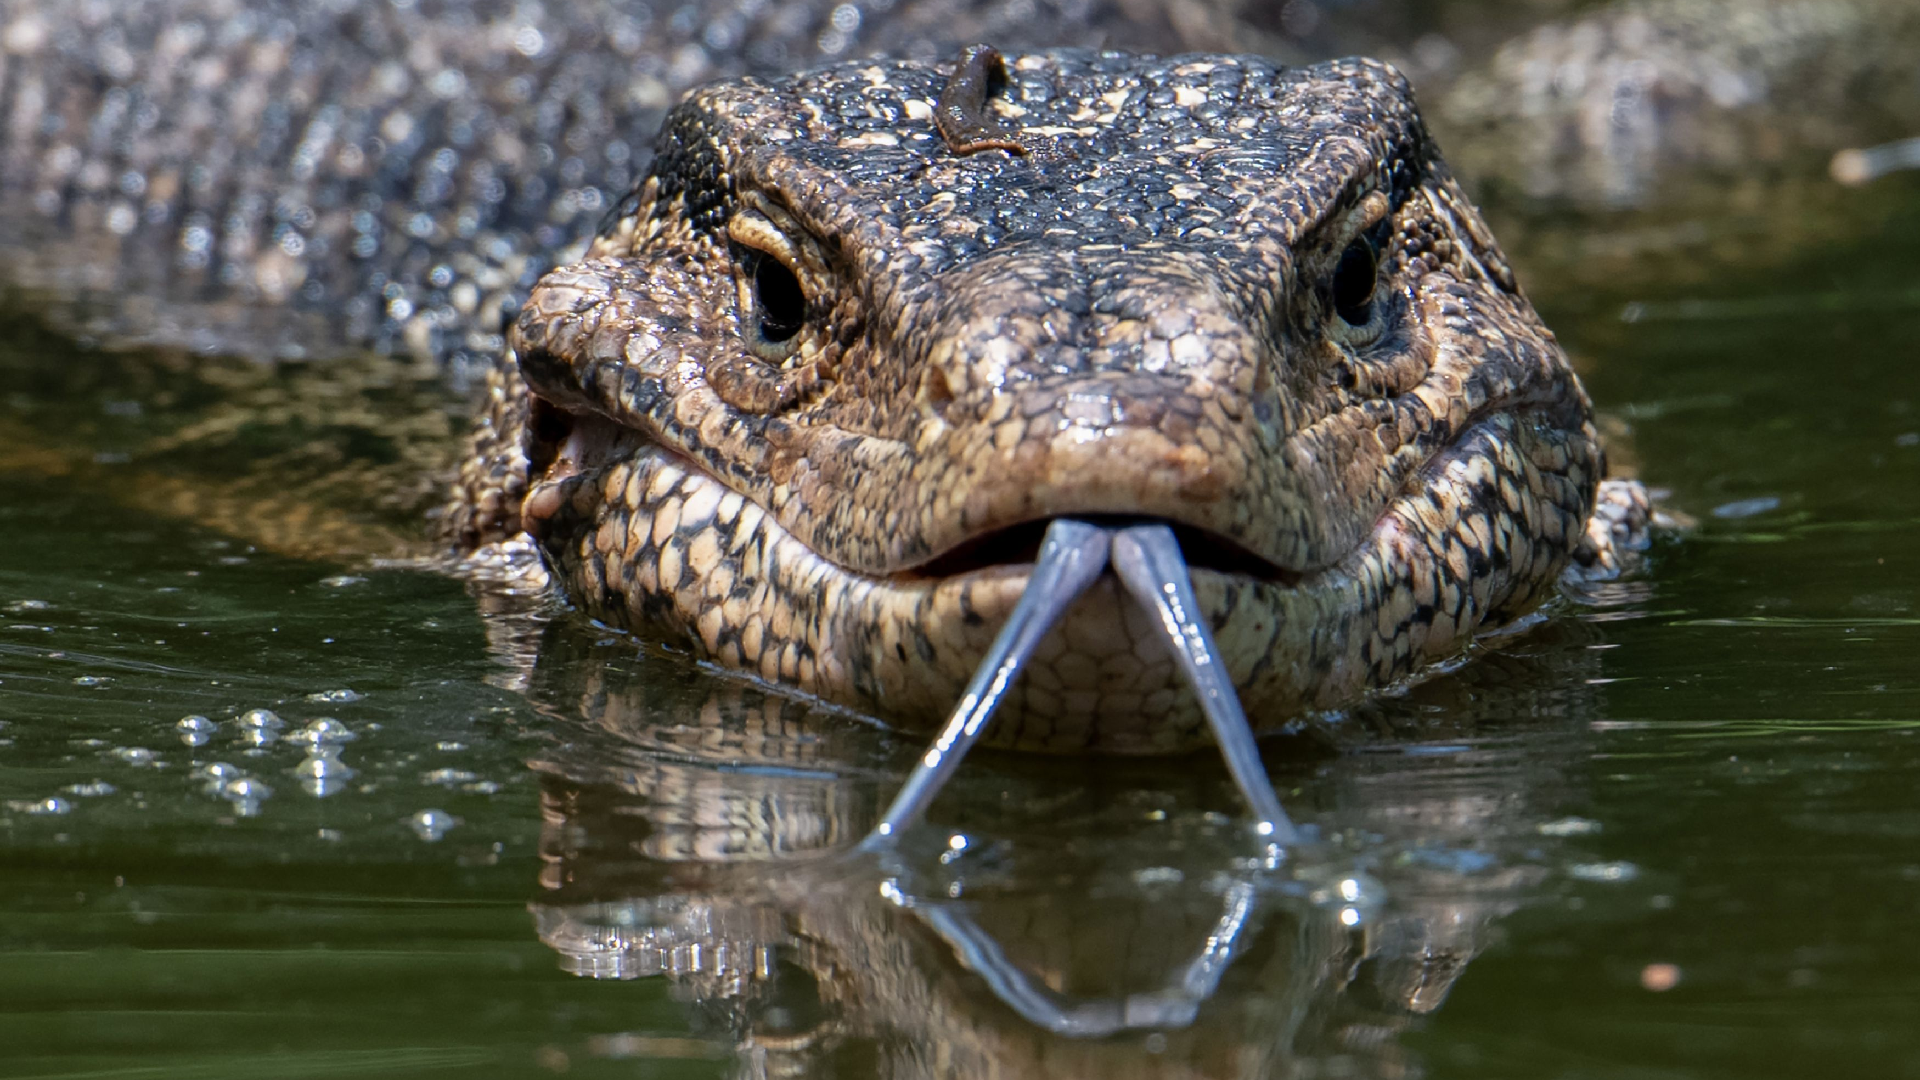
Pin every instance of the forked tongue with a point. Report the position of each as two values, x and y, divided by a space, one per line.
1148 560
1073 555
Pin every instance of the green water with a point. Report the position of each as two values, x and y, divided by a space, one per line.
1673 832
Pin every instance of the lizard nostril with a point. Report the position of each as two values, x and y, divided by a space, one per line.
938 392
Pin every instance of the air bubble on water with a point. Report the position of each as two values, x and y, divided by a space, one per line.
323 773
482 787
324 763
325 731
260 726
335 697
1568 826
341 581
47 807
245 789
447 776
92 680
431 825
261 720
21 607
216 775
91 789
195 730
137 756
450 746
1603 871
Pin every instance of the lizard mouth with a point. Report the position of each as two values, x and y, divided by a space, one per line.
1149 559
561 445
1201 549
1073 554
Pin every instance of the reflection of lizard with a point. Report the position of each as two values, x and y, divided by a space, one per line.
713 855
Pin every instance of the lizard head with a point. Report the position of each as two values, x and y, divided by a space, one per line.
817 388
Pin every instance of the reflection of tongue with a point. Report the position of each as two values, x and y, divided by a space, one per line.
1074 554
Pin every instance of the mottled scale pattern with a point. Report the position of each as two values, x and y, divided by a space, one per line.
1143 327
284 179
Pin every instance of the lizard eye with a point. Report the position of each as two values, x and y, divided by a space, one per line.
772 301
780 304
1353 283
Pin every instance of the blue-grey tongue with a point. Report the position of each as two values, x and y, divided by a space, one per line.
1148 560
1073 555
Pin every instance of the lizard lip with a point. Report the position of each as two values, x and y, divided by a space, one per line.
567 443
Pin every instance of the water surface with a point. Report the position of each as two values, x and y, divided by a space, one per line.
1670 831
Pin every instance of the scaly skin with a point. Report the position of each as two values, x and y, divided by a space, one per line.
282 179
1145 327
278 179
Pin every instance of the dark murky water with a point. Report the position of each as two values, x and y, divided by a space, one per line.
1672 833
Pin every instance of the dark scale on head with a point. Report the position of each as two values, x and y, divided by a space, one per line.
693 181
